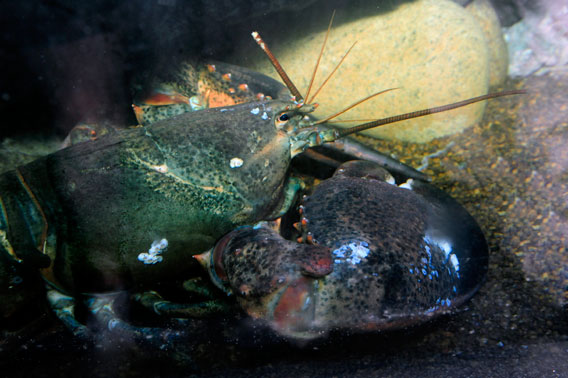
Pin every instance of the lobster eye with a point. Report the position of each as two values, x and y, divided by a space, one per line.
282 119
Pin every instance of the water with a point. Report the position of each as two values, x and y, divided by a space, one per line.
66 63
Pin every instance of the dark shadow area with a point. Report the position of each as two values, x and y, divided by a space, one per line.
63 62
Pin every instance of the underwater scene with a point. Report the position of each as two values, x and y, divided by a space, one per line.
276 188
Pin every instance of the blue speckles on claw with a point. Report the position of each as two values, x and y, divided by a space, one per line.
440 302
428 251
446 247
454 260
352 253
446 302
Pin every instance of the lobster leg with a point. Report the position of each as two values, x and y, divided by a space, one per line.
64 308
198 287
102 307
23 224
84 132
163 307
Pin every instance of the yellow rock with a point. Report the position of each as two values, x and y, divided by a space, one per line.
485 14
432 50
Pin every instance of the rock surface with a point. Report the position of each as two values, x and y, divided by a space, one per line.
487 18
433 51
539 42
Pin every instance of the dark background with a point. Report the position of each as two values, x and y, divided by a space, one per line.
64 62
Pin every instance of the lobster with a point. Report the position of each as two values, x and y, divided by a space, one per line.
133 207
371 256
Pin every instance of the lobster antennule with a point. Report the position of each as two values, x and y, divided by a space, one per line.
319 57
309 101
352 106
295 92
424 112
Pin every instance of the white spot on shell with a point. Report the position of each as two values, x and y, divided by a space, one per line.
264 115
154 253
236 162
160 168
455 262
351 253
446 247
255 111
407 184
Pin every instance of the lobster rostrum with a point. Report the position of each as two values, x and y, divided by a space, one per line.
130 209
398 255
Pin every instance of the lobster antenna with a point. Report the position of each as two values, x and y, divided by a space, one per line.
311 100
352 106
350 120
319 57
424 112
295 92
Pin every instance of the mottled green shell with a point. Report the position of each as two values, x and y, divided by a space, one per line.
187 180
